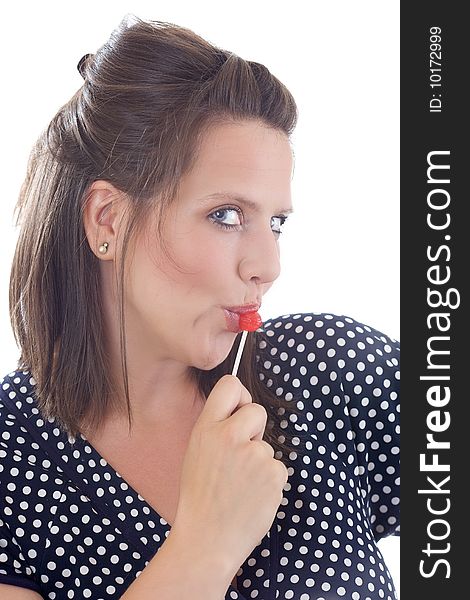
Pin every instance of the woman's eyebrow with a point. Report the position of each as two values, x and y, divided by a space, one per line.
231 197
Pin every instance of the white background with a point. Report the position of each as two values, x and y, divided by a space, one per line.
341 62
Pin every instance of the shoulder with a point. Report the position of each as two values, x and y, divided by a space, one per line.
17 386
25 435
30 482
16 403
308 347
343 377
333 363
325 328
335 369
18 408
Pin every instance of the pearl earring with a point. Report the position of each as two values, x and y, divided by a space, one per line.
103 248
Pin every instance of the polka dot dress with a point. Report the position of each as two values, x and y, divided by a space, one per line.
71 527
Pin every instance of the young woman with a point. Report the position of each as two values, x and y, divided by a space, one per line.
133 464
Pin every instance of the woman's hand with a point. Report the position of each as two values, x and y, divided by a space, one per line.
231 486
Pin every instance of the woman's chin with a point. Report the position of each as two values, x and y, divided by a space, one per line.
217 352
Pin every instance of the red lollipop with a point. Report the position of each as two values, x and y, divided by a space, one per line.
250 321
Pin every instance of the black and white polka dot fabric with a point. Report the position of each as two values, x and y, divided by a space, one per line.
71 527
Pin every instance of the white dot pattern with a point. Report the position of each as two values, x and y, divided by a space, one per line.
71 527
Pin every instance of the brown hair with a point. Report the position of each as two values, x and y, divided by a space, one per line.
148 96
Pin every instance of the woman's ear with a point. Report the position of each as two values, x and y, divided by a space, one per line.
103 214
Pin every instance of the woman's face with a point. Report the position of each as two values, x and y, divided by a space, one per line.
222 239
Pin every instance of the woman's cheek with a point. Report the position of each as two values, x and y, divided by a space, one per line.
211 255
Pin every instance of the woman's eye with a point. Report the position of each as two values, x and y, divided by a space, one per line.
277 223
227 217
232 218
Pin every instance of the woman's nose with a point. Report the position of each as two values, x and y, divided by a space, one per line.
260 258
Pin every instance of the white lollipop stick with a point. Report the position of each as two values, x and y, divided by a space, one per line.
239 353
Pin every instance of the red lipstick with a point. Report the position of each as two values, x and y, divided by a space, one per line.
245 308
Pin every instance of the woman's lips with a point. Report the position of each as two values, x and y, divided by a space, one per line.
232 315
